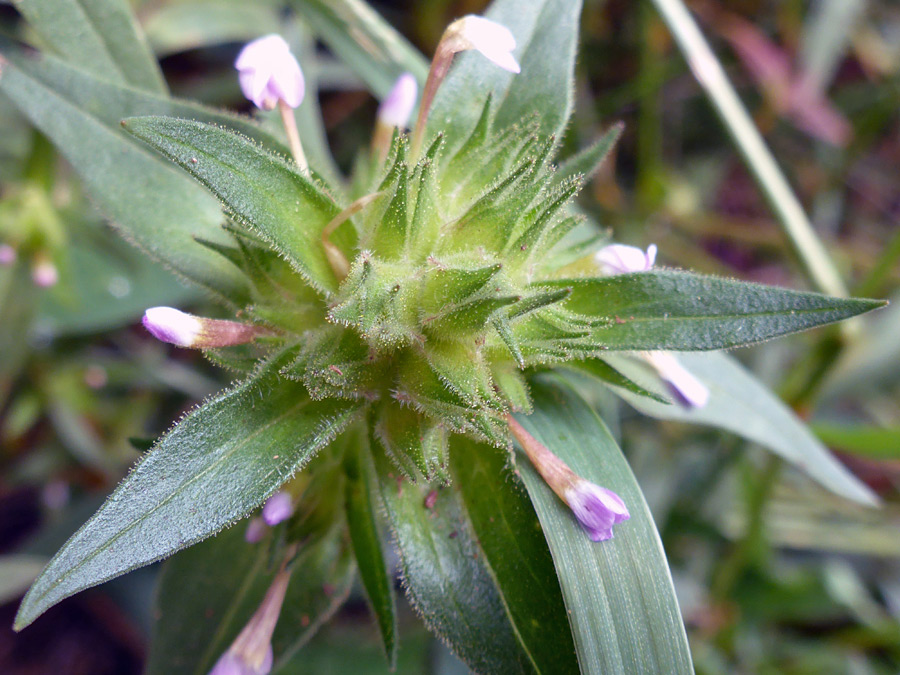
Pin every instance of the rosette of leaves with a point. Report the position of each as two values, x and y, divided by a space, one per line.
409 312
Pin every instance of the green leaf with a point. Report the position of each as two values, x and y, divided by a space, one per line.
741 404
17 299
516 553
101 36
215 466
366 42
861 440
619 594
362 519
258 187
684 311
207 593
155 207
546 33
603 371
445 576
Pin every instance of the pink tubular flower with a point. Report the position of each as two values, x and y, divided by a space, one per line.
251 651
621 259
186 330
269 73
397 107
278 508
596 508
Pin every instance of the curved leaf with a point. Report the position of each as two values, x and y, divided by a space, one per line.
99 35
516 553
214 467
260 188
445 577
619 593
741 404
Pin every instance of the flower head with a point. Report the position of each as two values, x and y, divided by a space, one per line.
269 73
396 109
278 508
596 508
251 651
186 330
494 41
621 259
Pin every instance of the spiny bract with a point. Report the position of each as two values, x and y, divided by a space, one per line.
443 305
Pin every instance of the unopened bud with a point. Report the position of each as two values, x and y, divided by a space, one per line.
493 40
278 508
621 259
684 386
186 330
596 508
269 73
396 109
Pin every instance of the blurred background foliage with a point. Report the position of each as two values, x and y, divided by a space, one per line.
774 575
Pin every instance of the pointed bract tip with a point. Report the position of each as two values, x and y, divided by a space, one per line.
596 508
397 107
269 73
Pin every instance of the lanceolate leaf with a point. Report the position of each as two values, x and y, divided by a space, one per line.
683 311
741 404
220 462
619 594
445 575
101 36
260 188
154 206
546 33
516 553
362 520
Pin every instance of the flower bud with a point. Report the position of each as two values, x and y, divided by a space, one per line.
278 508
687 389
396 109
621 259
186 330
44 273
256 530
7 255
269 73
251 651
596 508
494 41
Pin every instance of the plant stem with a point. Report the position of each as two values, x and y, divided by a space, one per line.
290 126
759 159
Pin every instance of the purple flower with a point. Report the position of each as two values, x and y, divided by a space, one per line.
397 107
687 389
251 651
278 508
621 259
256 530
269 73
7 254
493 40
596 508
186 330
44 273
